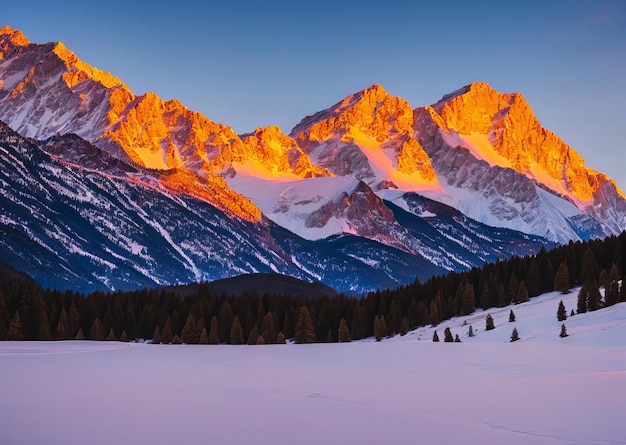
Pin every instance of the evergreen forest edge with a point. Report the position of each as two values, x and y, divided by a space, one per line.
28 312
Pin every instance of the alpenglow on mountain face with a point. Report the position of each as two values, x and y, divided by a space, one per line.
103 189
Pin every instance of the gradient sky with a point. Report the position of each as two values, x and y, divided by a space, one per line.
254 63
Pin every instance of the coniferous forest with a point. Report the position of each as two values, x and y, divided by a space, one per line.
28 312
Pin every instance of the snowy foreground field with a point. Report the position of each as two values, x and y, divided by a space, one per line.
539 390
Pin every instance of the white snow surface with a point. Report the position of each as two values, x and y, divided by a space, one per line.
290 203
540 390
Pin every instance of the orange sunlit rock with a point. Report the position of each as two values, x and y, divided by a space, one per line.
517 135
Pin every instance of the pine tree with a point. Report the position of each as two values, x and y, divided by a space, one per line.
167 335
236 332
572 313
359 323
254 335
457 339
404 326
123 336
561 279
280 338
204 337
189 331
433 314
511 316
563 331
470 331
43 333
522 293
305 329
156 337
268 328
611 295
378 331
111 336
214 338
435 337
589 270
583 295
514 335
80 335
176 340
447 336
561 313
343 334
489 323
594 299
96 333
15 332
259 340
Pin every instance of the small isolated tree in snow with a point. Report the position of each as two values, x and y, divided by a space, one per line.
561 313
489 323
563 331
447 336
457 339
511 316
514 335
470 331
435 337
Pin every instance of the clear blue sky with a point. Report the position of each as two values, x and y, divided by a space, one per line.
254 63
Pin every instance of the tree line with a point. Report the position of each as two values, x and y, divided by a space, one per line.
29 312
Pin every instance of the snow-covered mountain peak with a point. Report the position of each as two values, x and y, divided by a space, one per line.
10 39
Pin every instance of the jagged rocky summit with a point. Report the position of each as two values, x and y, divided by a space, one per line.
105 189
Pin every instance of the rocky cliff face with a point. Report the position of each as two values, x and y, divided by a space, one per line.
343 198
481 140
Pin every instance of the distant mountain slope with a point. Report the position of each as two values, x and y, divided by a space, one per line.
261 283
118 190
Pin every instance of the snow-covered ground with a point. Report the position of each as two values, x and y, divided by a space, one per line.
539 390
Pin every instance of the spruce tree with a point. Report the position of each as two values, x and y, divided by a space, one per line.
111 336
167 335
214 338
305 329
433 314
43 333
96 333
176 340
378 330
489 323
514 335
80 335
280 338
457 339
156 337
189 331
594 299
447 336
259 340
268 328
236 332
343 334
563 331
204 337
522 293
583 295
589 270
435 337
15 332
470 331
572 313
611 295
511 316
561 313
123 336
254 335
359 323
404 326
561 279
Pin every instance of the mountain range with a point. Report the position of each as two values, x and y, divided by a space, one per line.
104 189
